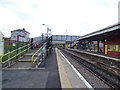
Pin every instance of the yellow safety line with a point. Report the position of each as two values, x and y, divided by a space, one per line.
65 83
29 60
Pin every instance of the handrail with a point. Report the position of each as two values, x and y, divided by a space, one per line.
38 53
1 57
28 46
33 60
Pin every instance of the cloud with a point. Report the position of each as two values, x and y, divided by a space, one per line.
18 9
76 16
105 2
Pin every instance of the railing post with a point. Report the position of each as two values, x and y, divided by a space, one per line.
28 47
19 52
9 62
37 61
42 46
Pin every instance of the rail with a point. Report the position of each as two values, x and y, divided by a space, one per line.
107 73
98 55
38 53
17 52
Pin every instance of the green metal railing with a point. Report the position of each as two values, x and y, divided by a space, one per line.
9 57
14 54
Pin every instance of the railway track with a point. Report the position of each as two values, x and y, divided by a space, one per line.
106 72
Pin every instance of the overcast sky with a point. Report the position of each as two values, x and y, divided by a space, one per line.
78 17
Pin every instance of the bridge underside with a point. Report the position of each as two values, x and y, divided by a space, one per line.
58 42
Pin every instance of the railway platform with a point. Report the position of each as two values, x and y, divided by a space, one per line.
55 72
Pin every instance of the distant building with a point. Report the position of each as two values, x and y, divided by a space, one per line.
7 40
20 35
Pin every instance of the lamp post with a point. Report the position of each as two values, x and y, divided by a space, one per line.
66 35
48 40
66 40
47 29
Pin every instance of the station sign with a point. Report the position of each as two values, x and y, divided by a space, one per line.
1 46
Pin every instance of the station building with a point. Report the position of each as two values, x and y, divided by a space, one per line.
20 35
106 41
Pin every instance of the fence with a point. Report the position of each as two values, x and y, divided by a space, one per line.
12 45
14 54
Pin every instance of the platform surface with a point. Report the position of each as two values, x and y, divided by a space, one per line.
36 78
57 73
69 76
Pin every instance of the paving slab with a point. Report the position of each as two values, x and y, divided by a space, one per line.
24 79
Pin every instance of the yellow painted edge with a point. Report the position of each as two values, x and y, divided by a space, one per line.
25 60
106 49
65 83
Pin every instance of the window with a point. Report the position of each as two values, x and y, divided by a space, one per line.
14 36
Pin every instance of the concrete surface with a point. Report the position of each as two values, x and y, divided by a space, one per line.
45 77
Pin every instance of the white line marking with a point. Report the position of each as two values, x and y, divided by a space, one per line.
80 76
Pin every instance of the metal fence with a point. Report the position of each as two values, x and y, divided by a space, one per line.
7 57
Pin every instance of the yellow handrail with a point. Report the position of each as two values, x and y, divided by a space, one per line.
1 57
33 60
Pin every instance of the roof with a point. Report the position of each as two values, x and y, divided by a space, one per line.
7 38
105 30
67 35
21 30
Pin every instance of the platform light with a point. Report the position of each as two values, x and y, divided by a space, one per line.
105 40
48 29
